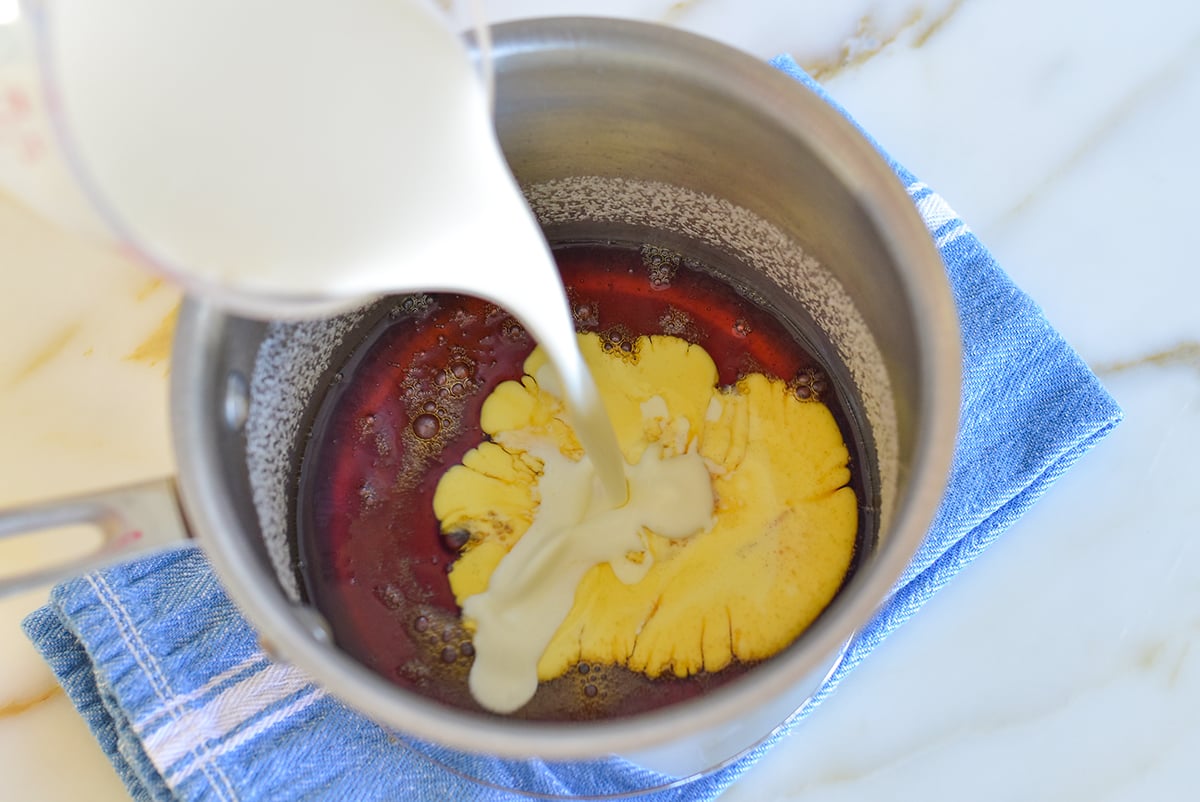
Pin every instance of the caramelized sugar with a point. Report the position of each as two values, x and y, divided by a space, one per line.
407 409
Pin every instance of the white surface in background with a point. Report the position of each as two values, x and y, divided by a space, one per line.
1065 663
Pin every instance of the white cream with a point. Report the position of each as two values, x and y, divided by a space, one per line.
533 588
292 159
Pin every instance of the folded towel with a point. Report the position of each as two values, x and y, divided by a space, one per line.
174 685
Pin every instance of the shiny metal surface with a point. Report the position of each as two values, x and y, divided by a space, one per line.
131 521
618 99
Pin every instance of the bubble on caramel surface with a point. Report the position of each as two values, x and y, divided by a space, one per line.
678 323
455 539
368 494
412 305
586 314
443 645
426 426
511 329
661 264
619 341
810 384
435 387
390 596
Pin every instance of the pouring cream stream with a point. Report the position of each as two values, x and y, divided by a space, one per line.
291 159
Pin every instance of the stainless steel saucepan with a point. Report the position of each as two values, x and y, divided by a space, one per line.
617 131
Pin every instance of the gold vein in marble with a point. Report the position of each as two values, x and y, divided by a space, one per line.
1163 658
934 25
855 51
156 347
1186 352
1151 655
869 41
46 354
146 290
13 709
1177 668
677 10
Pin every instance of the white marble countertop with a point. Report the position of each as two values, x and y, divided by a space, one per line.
1065 663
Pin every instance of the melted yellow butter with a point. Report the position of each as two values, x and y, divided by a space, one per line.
549 578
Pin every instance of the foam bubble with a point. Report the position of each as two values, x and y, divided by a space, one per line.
661 264
426 426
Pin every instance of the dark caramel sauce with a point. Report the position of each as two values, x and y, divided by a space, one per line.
407 409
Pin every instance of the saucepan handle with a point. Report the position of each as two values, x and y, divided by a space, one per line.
131 520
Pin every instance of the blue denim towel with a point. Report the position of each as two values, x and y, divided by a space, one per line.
172 681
